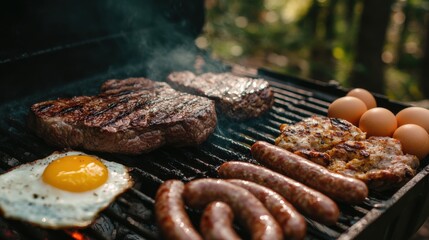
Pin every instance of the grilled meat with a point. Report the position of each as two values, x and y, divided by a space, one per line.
343 148
313 136
130 116
378 161
236 97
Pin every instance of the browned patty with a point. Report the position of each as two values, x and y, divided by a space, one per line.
343 148
378 161
311 137
130 116
236 97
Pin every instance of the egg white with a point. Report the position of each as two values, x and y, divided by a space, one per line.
25 196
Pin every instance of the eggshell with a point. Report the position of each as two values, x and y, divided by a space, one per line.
363 95
414 140
378 122
348 108
414 115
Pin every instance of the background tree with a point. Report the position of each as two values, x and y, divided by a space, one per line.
368 71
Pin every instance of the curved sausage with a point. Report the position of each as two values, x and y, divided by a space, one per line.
216 222
246 207
170 212
337 186
308 201
292 223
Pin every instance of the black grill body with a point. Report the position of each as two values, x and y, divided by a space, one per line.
389 215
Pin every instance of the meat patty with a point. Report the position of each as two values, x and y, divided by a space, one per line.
343 148
130 116
378 161
236 97
311 137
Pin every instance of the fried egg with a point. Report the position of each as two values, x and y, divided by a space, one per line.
62 190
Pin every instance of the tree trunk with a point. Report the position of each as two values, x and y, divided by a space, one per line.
424 80
368 69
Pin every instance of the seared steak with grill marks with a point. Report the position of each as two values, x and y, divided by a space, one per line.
236 97
130 116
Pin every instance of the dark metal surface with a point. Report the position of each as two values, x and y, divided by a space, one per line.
390 215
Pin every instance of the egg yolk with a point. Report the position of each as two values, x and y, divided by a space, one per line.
76 173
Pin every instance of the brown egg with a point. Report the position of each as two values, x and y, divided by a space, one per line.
414 115
363 95
414 140
348 108
378 122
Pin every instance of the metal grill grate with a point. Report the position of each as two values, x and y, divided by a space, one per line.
131 215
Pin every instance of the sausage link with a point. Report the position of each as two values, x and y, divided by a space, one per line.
246 207
308 201
292 223
170 212
216 222
339 187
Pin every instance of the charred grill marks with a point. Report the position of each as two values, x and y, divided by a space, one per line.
236 97
130 116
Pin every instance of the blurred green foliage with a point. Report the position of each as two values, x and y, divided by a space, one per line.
316 39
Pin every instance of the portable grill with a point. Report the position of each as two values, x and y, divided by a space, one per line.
387 215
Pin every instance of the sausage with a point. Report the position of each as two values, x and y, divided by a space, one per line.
170 212
216 222
308 201
248 209
292 223
339 187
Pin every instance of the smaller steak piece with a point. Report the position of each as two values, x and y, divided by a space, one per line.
236 97
130 116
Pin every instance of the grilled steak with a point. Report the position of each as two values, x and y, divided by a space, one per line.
130 116
236 97
343 148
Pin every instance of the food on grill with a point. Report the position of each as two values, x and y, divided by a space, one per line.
336 186
414 115
292 223
317 134
170 212
62 190
236 97
378 122
348 108
363 95
414 140
216 222
378 161
308 201
130 116
343 148
247 208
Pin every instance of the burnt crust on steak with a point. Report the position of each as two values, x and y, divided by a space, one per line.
343 148
235 96
129 116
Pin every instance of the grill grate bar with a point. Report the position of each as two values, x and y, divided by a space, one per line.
290 88
133 225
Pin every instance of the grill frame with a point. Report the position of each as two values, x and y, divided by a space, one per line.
383 220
